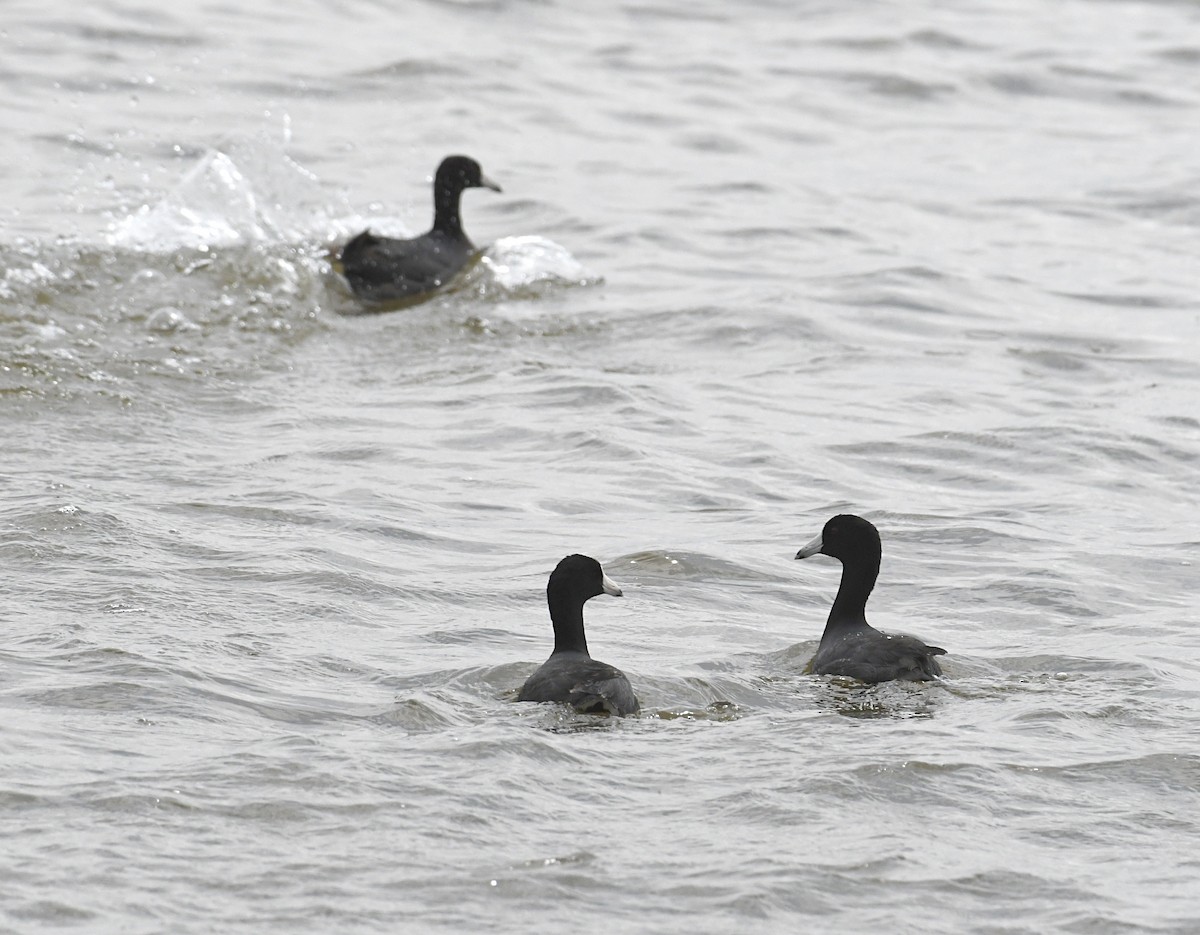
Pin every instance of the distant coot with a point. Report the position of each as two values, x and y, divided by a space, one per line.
850 646
386 269
570 674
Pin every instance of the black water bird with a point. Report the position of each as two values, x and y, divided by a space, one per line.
850 646
387 269
571 674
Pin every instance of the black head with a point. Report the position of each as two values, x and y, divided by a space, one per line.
582 577
845 537
459 172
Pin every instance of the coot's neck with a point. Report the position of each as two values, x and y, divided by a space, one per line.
850 606
566 613
446 197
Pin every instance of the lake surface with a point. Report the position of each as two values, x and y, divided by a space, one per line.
275 570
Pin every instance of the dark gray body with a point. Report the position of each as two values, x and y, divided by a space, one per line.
871 655
586 684
384 269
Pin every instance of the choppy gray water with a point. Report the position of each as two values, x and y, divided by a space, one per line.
273 571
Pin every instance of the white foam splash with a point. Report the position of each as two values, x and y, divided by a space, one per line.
241 192
519 262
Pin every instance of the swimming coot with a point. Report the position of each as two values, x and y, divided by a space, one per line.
570 674
850 646
386 269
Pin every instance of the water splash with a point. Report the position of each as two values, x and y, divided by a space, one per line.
515 262
244 191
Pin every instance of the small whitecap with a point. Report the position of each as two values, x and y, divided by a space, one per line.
35 274
49 331
518 262
168 319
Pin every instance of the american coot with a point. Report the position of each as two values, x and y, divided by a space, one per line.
385 269
570 674
850 646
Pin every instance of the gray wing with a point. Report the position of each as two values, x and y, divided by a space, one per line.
607 693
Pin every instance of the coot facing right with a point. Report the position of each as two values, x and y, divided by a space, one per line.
387 269
571 675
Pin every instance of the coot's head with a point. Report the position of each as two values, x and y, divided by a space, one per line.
459 172
845 537
582 577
